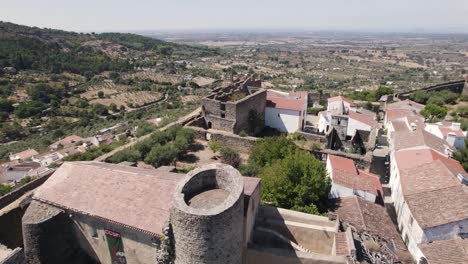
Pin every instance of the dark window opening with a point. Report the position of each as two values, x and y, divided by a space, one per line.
223 115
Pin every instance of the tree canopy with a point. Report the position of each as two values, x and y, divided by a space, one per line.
298 182
432 111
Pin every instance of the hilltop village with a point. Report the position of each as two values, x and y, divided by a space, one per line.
396 194
302 148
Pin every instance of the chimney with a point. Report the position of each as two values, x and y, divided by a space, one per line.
413 126
456 126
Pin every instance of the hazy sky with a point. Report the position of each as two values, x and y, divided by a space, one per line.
120 15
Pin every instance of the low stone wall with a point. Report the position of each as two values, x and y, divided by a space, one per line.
12 196
241 144
16 257
313 137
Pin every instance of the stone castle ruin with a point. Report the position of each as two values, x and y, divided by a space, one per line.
237 107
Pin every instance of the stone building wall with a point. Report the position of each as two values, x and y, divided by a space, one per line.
48 236
73 236
256 103
222 114
241 144
213 234
15 257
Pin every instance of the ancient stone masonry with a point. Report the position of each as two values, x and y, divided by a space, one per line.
233 108
207 216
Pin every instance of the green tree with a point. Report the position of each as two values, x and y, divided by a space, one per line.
4 189
266 150
298 182
100 94
432 111
462 156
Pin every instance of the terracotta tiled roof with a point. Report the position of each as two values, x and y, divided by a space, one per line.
454 251
440 206
342 164
294 101
26 154
395 114
362 118
445 131
407 159
346 174
427 177
400 125
373 218
340 98
406 105
68 141
419 138
130 196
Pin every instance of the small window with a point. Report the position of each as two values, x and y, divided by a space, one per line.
278 115
223 115
94 232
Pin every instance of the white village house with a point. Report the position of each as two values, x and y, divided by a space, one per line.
448 131
286 112
348 181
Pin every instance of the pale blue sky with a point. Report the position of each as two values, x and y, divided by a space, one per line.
119 15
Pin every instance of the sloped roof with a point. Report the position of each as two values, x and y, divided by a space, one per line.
440 206
417 138
346 174
407 159
405 105
427 177
340 98
26 154
296 101
72 139
453 251
373 218
362 118
129 196
446 130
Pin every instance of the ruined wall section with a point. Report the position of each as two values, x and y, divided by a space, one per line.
257 103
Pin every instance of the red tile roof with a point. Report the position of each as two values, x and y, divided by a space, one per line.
407 159
342 164
26 154
296 101
446 130
346 174
439 207
427 177
405 105
70 140
419 138
372 218
398 113
362 118
454 251
340 98
130 196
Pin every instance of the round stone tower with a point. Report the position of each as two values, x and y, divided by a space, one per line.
207 216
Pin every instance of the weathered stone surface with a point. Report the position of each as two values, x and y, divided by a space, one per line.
211 234
48 236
